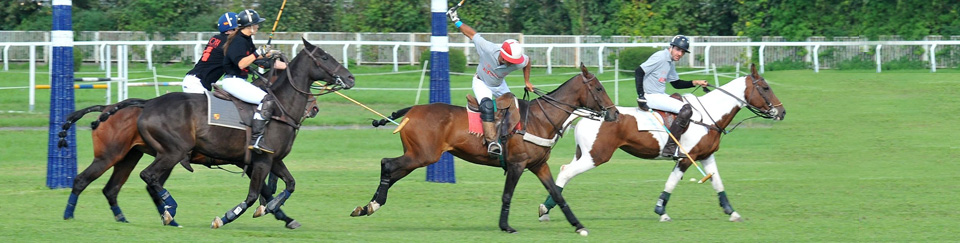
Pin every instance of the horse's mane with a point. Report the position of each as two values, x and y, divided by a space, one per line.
282 74
564 83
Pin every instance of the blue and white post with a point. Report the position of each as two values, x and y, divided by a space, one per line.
61 163
442 171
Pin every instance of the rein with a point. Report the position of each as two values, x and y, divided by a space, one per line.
571 109
757 111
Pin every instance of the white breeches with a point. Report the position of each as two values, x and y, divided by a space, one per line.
663 102
481 90
243 90
191 84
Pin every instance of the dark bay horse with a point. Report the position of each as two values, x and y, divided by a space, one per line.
438 127
117 144
640 134
175 125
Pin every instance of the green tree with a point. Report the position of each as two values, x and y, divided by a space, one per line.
593 17
485 16
386 16
301 16
539 17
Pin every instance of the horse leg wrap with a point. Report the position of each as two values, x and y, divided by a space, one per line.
234 213
169 204
118 215
71 206
661 207
278 201
725 203
549 202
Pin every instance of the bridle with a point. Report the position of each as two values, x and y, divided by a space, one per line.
769 113
571 109
337 85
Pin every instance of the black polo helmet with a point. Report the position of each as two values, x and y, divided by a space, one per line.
249 17
681 42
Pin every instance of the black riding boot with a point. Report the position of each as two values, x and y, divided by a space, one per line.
677 128
256 140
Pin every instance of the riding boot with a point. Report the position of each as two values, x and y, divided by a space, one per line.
677 128
259 125
487 110
490 137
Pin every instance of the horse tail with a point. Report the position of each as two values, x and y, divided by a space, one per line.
134 102
73 118
396 114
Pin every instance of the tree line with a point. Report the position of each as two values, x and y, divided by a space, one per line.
794 20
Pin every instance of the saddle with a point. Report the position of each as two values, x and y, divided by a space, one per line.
668 117
508 116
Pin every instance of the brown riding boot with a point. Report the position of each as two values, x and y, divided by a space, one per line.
490 137
678 127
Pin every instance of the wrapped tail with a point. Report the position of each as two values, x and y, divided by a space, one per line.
105 110
396 114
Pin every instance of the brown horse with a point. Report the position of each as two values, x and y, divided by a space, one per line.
438 127
117 144
642 135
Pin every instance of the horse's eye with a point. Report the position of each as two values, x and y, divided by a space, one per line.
324 57
599 88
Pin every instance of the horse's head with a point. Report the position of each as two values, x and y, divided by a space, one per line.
594 96
759 94
331 71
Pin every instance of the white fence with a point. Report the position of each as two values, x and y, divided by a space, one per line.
544 50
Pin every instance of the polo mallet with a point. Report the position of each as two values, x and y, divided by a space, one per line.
365 107
705 175
275 22
454 8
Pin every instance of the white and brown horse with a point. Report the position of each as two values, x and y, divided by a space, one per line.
641 134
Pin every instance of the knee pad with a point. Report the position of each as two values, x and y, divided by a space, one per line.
685 112
487 108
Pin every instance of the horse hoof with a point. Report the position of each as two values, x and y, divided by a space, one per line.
665 218
544 218
293 225
582 231
261 210
357 212
217 223
735 217
167 218
509 230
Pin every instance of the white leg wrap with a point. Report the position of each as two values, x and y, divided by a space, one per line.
568 171
672 181
710 167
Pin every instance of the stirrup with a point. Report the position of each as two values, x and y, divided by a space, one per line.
494 149
259 149
676 154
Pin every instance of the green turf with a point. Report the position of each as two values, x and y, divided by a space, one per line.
860 156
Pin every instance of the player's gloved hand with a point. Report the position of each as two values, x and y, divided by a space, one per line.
452 14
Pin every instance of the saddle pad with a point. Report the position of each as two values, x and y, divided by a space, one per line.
646 121
223 113
474 125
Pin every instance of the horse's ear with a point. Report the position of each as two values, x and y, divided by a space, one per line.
583 69
753 70
306 43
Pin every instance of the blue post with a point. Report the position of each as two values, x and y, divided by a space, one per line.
61 163
442 171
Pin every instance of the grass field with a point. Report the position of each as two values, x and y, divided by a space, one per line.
860 156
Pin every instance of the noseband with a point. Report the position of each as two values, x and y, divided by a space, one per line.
337 80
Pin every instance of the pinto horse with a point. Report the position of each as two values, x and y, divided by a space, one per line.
175 125
640 134
117 144
438 127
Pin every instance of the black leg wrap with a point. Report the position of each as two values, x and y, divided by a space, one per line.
569 214
725 203
661 207
278 201
232 215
